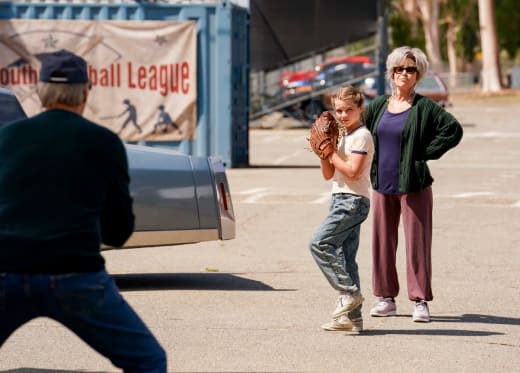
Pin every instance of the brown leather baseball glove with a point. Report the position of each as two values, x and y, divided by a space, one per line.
324 135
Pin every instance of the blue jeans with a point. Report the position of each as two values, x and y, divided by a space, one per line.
335 243
90 305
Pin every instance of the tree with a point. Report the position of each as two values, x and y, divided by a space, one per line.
467 26
488 40
402 32
508 25
429 12
452 31
457 18
425 12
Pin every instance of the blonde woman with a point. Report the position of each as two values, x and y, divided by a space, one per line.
408 130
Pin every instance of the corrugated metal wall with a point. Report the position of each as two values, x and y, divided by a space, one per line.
222 64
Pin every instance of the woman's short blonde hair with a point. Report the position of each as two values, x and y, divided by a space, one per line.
399 55
66 94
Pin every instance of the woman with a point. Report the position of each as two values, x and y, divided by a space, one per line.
335 244
408 130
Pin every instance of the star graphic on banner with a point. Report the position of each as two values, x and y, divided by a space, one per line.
160 40
50 42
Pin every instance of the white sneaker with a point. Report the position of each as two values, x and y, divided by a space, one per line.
421 313
343 323
385 307
347 302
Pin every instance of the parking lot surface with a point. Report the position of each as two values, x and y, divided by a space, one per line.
256 303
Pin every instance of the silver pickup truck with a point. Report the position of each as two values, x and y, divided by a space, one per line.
178 198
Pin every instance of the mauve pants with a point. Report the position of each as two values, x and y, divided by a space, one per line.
416 209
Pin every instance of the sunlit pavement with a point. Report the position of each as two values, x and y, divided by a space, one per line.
256 303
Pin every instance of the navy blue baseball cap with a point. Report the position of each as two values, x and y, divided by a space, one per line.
63 67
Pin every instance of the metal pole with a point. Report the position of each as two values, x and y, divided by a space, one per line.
382 41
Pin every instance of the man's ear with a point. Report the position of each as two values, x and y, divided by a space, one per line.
86 91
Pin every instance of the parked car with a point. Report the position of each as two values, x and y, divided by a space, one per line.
434 87
333 71
431 85
310 86
178 198
295 84
336 71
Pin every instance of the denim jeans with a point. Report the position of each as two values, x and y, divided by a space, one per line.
335 243
90 305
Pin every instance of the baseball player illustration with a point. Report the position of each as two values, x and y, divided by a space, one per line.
165 121
131 116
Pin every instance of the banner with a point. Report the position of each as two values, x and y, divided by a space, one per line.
143 73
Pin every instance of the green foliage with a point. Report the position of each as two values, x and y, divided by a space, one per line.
468 40
507 15
401 32
465 15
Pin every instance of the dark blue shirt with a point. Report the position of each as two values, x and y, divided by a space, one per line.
64 189
389 134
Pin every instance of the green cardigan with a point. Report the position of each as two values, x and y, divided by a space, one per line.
428 133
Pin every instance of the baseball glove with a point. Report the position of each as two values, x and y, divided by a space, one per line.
324 135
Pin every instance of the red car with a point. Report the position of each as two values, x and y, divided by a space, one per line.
331 73
296 83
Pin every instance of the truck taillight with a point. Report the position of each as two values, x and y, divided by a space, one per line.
223 194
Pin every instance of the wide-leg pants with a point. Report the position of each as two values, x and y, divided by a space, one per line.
416 210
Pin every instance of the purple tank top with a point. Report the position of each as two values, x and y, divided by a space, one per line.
389 140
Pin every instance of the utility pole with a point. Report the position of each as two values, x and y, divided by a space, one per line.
382 45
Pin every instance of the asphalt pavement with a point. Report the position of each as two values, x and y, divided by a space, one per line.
256 303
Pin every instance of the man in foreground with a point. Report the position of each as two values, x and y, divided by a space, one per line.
64 190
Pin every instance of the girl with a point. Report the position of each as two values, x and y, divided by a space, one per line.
335 243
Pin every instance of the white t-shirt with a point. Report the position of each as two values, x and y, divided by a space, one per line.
359 141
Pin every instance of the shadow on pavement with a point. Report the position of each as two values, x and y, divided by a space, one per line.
429 332
474 318
273 166
189 281
466 318
471 318
37 370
